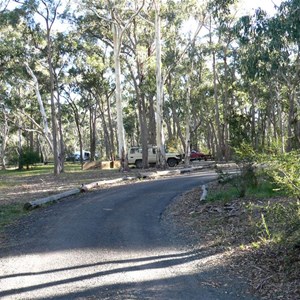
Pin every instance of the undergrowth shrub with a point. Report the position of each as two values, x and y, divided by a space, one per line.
245 177
280 223
284 169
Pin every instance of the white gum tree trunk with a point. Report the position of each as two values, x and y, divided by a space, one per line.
161 155
47 133
117 39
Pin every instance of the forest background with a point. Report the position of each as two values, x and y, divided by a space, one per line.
105 75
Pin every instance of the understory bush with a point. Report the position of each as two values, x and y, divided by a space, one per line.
280 223
245 176
284 169
273 175
283 219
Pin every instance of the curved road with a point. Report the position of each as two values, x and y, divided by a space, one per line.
109 244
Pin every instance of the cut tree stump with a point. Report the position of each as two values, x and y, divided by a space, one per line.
204 193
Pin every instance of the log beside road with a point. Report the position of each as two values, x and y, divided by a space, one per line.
90 186
38 202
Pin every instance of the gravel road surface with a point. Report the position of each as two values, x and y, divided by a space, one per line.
110 244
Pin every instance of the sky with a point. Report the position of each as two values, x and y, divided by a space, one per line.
252 5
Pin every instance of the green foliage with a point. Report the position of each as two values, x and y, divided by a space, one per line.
172 145
284 169
240 125
280 223
224 196
245 177
263 190
29 157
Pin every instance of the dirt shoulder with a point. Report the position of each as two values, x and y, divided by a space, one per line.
20 189
228 229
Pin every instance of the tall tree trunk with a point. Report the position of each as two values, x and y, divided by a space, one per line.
57 165
117 38
253 123
4 138
46 131
140 98
151 122
188 125
61 148
93 119
107 129
291 120
219 141
111 129
176 122
161 156
225 108
20 150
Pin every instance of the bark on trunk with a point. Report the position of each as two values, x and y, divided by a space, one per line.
4 136
117 38
46 131
161 156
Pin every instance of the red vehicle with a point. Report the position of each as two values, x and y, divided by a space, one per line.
195 155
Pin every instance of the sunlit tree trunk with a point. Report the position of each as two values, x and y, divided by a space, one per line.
46 131
188 125
161 156
218 141
4 138
117 38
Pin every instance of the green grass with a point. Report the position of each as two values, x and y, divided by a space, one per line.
224 196
10 213
39 169
265 189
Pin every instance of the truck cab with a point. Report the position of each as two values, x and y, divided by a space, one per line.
135 157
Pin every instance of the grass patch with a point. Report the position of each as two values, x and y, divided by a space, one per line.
229 192
39 169
225 195
10 213
265 189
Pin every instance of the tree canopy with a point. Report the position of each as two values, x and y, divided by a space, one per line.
105 75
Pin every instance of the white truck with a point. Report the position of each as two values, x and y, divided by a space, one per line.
135 157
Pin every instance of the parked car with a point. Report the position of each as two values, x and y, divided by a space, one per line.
76 156
195 155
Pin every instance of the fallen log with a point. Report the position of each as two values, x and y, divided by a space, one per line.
38 202
90 186
157 174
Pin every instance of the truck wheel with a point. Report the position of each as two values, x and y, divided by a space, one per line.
172 162
139 164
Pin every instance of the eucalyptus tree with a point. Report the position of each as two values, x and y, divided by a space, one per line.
15 97
95 83
119 15
269 63
219 41
176 49
139 71
47 12
283 30
4 135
